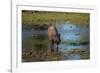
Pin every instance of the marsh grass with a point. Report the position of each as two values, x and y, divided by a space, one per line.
46 18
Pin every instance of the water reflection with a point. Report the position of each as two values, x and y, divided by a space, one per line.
71 33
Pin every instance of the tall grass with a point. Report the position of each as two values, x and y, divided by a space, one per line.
45 17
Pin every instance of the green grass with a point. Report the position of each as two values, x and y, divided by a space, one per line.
46 18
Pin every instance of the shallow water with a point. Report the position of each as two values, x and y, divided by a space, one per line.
70 33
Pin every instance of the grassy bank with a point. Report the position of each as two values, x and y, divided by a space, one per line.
45 18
